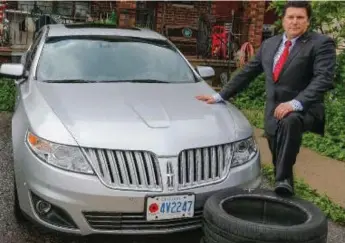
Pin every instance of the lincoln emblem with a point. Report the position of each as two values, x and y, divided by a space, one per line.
170 176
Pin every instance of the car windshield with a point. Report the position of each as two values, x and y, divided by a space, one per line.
121 59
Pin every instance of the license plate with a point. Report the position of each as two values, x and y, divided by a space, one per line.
170 207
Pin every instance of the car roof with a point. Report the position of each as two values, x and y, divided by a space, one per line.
57 30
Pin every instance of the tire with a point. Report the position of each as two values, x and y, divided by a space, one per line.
236 216
206 239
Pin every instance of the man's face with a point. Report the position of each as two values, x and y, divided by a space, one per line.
295 22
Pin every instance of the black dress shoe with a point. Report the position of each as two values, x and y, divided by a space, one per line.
284 188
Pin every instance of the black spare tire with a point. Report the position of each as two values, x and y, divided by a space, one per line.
261 216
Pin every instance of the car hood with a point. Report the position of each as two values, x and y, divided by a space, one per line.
163 118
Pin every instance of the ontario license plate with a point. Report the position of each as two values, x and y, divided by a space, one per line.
170 207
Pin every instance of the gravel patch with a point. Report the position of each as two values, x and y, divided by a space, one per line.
12 232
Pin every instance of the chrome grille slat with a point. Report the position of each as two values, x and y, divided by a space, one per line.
206 163
132 170
228 156
104 165
121 221
151 172
183 168
98 163
220 155
202 166
141 167
213 163
198 158
191 167
103 217
123 169
101 221
114 167
191 223
136 221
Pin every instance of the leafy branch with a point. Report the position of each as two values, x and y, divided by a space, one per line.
328 17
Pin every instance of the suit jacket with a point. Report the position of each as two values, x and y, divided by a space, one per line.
306 76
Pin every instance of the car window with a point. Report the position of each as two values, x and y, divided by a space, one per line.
101 59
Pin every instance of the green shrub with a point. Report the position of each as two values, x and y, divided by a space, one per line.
251 101
7 94
253 97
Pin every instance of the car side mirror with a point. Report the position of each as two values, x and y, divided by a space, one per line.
12 70
205 72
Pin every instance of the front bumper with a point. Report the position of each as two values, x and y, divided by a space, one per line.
84 198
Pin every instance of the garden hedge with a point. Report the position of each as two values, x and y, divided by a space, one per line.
251 101
7 94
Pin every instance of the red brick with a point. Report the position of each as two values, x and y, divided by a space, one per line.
167 14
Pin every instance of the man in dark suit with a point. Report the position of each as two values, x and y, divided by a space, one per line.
299 69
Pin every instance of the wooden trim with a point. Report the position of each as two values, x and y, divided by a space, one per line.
182 39
176 5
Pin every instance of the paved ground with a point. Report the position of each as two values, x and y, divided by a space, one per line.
11 232
324 174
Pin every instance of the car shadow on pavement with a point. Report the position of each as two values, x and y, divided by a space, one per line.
35 234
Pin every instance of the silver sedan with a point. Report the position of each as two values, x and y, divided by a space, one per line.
108 136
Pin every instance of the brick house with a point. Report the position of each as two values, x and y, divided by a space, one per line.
169 18
186 13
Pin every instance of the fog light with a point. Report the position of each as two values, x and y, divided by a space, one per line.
43 207
52 214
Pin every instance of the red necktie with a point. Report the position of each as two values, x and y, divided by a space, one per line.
282 59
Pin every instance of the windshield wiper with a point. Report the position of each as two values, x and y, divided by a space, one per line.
140 81
69 81
105 81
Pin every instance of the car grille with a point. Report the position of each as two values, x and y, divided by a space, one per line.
137 221
201 166
135 170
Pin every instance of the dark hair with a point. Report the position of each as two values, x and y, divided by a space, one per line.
298 4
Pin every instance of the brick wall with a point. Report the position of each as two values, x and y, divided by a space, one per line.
126 11
222 9
255 10
170 13
177 13
99 7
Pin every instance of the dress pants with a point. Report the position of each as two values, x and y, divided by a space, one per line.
285 144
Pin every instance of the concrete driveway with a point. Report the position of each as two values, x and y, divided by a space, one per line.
11 232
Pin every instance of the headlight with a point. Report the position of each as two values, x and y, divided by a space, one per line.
62 156
244 151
